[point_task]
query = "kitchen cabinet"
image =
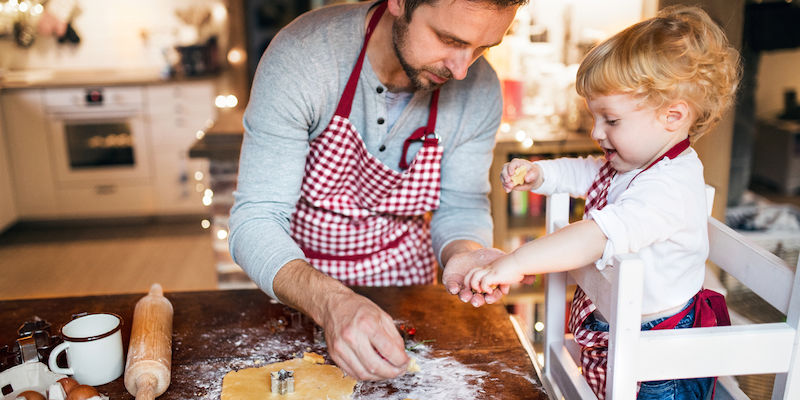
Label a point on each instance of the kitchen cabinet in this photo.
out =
(8, 210)
(62, 148)
(175, 113)
(25, 128)
(776, 155)
(114, 151)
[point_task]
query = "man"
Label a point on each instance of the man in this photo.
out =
(326, 201)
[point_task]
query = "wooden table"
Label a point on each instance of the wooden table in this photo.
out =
(475, 353)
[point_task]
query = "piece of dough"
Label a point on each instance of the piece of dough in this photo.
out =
(413, 367)
(312, 381)
(519, 175)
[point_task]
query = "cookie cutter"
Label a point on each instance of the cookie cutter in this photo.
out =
(33, 344)
(281, 382)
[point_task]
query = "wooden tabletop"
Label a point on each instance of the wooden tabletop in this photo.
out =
(466, 352)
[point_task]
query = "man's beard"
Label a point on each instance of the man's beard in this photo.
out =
(399, 36)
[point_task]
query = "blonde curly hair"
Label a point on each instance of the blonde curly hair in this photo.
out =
(680, 54)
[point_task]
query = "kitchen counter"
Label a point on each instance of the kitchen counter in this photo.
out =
(223, 140)
(473, 353)
(42, 78)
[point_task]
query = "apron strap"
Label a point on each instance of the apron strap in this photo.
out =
(425, 134)
(346, 102)
(673, 152)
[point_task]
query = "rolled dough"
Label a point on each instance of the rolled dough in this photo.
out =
(312, 380)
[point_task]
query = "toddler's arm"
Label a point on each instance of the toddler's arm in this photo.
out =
(571, 247)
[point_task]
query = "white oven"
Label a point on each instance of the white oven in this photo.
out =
(98, 136)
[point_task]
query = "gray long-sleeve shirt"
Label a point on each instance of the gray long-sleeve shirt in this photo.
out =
(295, 92)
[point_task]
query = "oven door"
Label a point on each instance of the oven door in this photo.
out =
(100, 146)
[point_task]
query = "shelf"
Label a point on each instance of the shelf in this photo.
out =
(575, 142)
(525, 221)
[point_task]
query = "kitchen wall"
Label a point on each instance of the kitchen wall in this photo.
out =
(119, 34)
(777, 71)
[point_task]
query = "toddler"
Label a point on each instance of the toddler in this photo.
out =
(652, 89)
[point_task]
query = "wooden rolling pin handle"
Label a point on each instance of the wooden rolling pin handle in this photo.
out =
(147, 369)
(146, 386)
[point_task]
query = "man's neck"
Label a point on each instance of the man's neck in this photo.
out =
(382, 57)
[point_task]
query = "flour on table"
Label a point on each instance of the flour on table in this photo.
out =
(439, 378)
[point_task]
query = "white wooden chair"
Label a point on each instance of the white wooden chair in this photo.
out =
(719, 351)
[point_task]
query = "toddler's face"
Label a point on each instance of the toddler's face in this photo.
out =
(630, 133)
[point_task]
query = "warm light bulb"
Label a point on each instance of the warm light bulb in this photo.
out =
(199, 135)
(207, 201)
(205, 224)
(505, 127)
(218, 12)
(231, 101)
(520, 135)
(198, 175)
(222, 234)
(538, 326)
(219, 101)
(235, 56)
(527, 143)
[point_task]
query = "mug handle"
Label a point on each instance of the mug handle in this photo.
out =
(51, 362)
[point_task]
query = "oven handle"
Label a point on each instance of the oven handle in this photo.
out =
(83, 114)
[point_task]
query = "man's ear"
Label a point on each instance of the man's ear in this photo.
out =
(396, 7)
(676, 116)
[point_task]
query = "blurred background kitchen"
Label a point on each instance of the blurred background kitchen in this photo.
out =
(119, 139)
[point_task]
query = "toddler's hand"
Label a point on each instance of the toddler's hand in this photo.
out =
(489, 278)
(519, 174)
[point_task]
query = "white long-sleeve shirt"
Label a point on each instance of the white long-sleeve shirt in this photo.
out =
(662, 217)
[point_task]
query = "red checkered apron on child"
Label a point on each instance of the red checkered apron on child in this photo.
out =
(358, 220)
(709, 306)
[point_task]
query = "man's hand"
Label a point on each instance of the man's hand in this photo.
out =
(459, 264)
(362, 339)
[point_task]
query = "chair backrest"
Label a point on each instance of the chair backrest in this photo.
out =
(718, 351)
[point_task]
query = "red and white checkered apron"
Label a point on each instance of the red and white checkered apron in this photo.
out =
(358, 220)
(594, 344)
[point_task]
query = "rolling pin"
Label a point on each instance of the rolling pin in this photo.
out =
(147, 369)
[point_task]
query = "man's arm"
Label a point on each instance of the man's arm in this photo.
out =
(362, 339)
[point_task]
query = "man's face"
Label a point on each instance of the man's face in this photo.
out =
(444, 38)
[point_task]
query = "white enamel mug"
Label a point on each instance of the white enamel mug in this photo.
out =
(93, 343)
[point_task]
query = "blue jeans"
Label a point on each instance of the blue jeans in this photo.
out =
(673, 389)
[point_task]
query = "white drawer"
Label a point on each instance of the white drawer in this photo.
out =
(106, 200)
(196, 98)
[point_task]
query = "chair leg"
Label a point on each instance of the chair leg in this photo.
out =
(625, 330)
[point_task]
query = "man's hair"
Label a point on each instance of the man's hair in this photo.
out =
(679, 54)
(412, 5)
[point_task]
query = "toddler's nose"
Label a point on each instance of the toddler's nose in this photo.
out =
(598, 134)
